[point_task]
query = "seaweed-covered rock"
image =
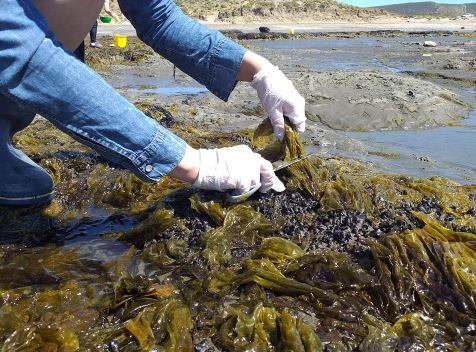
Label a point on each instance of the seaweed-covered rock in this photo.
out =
(346, 259)
(103, 59)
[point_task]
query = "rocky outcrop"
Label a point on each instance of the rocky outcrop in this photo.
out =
(278, 10)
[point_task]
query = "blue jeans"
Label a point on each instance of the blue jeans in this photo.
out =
(38, 76)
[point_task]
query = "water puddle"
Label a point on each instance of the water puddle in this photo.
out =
(446, 151)
(392, 54)
(100, 250)
(101, 222)
(161, 84)
(170, 90)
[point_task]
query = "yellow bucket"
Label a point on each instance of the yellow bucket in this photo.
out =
(120, 40)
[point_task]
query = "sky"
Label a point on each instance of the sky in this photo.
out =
(388, 2)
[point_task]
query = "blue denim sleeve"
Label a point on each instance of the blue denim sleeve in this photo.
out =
(39, 75)
(204, 54)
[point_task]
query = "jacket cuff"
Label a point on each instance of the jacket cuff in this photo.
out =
(161, 156)
(225, 63)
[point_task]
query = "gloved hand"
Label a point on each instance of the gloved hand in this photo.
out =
(279, 97)
(235, 168)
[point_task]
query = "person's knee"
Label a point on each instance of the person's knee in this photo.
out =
(13, 115)
(25, 32)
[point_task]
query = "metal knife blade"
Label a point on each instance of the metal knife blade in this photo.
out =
(283, 165)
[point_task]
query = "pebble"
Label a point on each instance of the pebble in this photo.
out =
(430, 44)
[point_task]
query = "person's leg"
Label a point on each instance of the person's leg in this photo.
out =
(80, 52)
(77, 100)
(93, 33)
(22, 181)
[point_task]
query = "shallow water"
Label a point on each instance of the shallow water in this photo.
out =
(171, 90)
(394, 54)
(447, 152)
(137, 82)
(330, 54)
(98, 223)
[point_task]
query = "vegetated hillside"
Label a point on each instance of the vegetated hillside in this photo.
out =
(430, 9)
(471, 8)
(277, 10)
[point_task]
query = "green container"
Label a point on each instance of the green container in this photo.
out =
(105, 19)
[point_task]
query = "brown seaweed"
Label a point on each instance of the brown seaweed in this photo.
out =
(241, 222)
(168, 321)
(265, 330)
(173, 269)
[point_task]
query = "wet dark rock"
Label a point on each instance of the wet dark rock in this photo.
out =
(192, 225)
(238, 139)
(232, 32)
(307, 35)
(300, 214)
(429, 205)
(206, 345)
(264, 29)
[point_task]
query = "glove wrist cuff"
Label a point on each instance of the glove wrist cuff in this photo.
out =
(263, 73)
(208, 159)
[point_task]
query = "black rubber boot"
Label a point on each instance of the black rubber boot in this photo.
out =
(22, 182)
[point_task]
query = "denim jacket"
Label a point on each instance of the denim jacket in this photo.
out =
(38, 76)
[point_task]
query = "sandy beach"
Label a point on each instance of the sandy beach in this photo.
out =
(407, 25)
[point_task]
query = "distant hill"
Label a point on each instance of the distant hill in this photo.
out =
(430, 9)
(275, 10)
(471, 8)
(259, 11)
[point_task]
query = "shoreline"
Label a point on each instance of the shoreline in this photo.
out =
(403, 25)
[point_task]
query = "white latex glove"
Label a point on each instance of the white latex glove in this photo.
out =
(279, 98)
(236, 168)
